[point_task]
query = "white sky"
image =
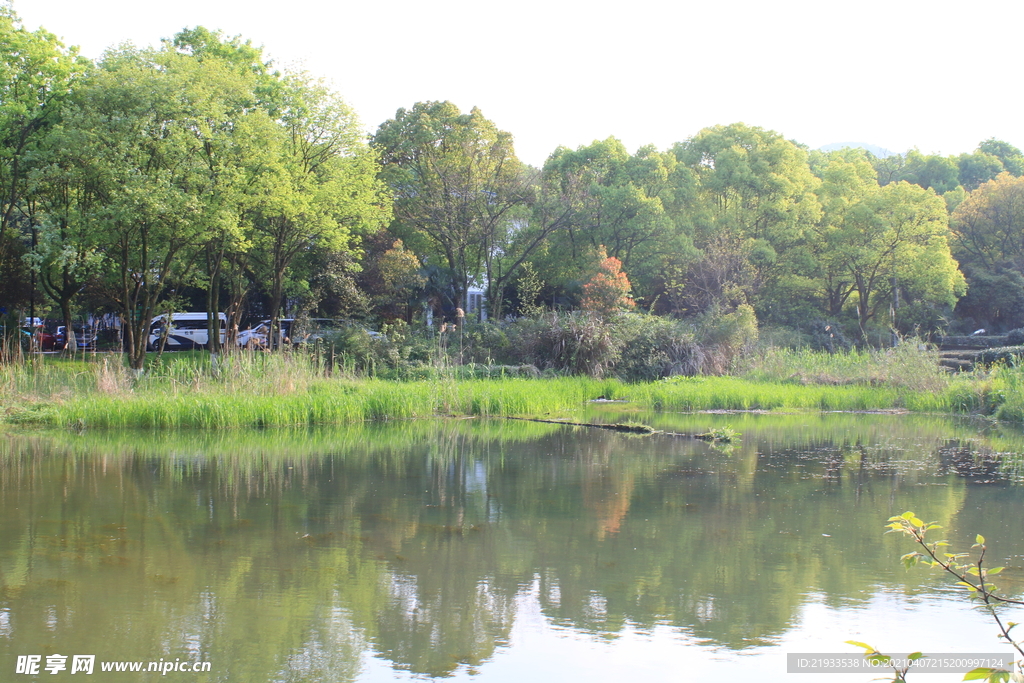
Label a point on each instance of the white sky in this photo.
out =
(936, 75)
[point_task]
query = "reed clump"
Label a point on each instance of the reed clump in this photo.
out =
(910, 365)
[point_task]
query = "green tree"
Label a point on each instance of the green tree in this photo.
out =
(899, 242)
(619, 201)
(319, 185)
(939, 173)
(64, 200)
(978, 168)
(1011, 157)
(36, 74)
(144, 124)
(751, 199)
(233, 152)
(847, 178)
(988, 231)
(457, 185)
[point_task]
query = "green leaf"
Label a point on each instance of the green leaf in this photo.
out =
(994, 570)
(907, 515)
(979, 539)
(979, 674)
(857, 643)
(914, 656)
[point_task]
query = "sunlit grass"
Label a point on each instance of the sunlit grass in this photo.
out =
(247, 390)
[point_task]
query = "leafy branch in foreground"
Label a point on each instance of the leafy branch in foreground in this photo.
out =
(972, 575)
(878, 659)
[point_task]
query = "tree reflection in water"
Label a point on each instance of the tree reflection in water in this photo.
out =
(293, 556)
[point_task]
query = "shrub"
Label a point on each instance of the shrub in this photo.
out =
(726, 337)
(575, 343)
(655, 348)
(1009, 355)
(1015, 337)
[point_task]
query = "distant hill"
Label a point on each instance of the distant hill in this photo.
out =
(880, 152)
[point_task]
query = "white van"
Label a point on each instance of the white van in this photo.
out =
(187, 331)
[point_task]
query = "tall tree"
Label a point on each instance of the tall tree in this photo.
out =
(752, 199)
(898, 241)
(63, 200)
(143, 124)
(939, 173)
(618, 201)
(1011, 157)
(988, 229)
(978, 168)
(847, 179)
(233, 153)
(457, 185)
(319, 187)
(36, 75)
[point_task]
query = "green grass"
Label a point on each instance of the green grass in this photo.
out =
(248, 390)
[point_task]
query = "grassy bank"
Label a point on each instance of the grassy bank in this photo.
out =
(271, 390)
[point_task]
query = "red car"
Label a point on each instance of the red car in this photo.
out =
(42, 340)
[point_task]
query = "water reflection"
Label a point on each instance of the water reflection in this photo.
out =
(309, 556)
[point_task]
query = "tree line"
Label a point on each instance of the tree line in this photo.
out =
(196, 173)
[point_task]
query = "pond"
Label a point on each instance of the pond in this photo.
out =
(496, 550)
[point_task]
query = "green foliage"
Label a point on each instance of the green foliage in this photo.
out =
(456, 182)
(1005, 355)
(978, 168)
(575, 343)
(37, 74)
(750, 200)
(987, 239)
(724, 434)
(1011, 157)
(907, 365)
(655, 347)
(971, 574)
(528, 288)
(619, 202)
(1015, 337)
(930, 171)
(727, 337)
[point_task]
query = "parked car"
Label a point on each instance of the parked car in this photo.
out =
(39, 338)
(186, 331)
(295, 332)
(84, 337)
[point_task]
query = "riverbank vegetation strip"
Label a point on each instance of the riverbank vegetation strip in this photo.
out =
(278, 391)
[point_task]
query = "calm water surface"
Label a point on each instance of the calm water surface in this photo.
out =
(497, 550)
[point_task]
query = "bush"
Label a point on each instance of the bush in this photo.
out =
(655, 348)
(726, 337)
(1015, 337)
(355, 350)
(575, 343)
(1008, 355)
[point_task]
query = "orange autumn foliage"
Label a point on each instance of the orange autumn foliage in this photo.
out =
(608, 289)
